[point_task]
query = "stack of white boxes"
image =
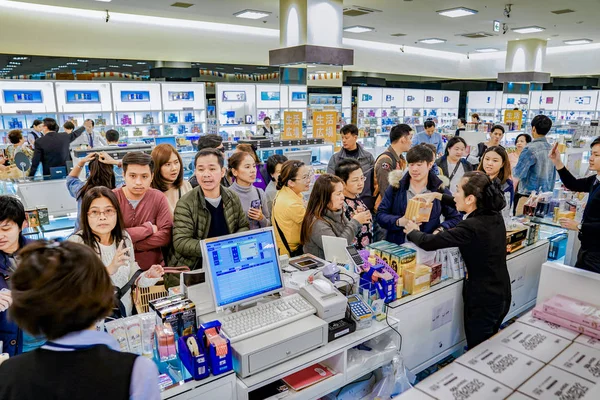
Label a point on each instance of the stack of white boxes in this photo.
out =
(530, 359)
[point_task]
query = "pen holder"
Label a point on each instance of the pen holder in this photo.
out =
(217, 347)
(196, 365)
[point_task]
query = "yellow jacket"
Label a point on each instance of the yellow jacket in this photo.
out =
(288, 212)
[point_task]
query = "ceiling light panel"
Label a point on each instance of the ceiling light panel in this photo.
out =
(487, 50)
(358, 29)
(432, 41)
(252, 14)
(457, 12)
(529, 29)
(578, 41)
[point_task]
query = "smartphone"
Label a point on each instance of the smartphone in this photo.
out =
(255, 204)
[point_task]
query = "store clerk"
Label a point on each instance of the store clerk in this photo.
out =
(77, 362)
(589, 228)
(481, 238)
(267, 129)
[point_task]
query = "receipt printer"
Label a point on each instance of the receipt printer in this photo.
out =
(329, 302)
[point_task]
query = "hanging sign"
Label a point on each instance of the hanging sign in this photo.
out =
(324, 125)
(292, 125)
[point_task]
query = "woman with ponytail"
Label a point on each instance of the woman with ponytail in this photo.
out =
(481, 238)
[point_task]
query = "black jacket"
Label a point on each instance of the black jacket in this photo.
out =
(52, 150)
(590, 225)
(442, 163)
(481, 239)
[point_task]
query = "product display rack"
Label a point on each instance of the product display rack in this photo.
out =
(486, 104)
(441, 106)
(236, 110)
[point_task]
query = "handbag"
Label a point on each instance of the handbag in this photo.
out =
(136, 291)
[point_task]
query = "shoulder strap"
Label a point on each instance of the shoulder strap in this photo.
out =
(455, 169)
(281, 235)
(121, 291)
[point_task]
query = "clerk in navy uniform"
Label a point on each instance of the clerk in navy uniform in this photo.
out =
(589, 228)
(61, 291)
(481, 238)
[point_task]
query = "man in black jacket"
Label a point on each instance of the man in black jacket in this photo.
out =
(588, 257)
(52, 150)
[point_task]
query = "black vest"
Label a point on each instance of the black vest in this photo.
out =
(97, 373)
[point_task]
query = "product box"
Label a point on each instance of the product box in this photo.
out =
(414, 394)
(574, 310)
(518, 396)
(436, 273)
(588, 341)
(43, 215)
(531, 341)
(580, 360)
(558, 330)
(565, 323)
(501, 363)
(407, 257)
(458, 382)
(552, 383)
(417, 279)
(418, 210)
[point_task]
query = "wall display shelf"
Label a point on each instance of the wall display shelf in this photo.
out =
(347, 105)
(184, 109)
(22, 102)
(79, 101)
(487, 104)
(578, 105)
(236, 110)
(268, 104)
(138, 109)
(442, 107)
(414, 102)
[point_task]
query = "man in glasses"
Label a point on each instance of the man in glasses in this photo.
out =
(210, 141)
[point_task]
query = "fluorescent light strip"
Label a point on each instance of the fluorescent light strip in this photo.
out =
(358, 29)
(487, 50)
(457, 12)
(529, 29)
(578, 41)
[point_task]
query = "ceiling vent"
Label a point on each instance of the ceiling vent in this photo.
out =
(181, 5)
(398, 34)
(565, 11)
(476, 35)
(357, 11)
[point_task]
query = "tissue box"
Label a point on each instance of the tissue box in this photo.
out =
(418, 210)
(574, 310)
(417, 279)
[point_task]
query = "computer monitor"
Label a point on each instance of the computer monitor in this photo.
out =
(242, 267)
(168, 140)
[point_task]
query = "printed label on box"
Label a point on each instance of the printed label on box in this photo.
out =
(501, 363)
(580, 360)
(588, 341)
(458, 382)
(531, 341)
(529, 319)
(552, 383)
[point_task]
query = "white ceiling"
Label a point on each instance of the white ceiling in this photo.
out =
(417, 19)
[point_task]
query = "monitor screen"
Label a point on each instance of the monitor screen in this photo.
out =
(243, 266)
(168, 140)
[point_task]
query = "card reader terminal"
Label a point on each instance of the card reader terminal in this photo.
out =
(360, 311)
(354, 256)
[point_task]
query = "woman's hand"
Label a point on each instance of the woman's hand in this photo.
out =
(155, 272)
(410, 226)
(105, 158)
(554, 156)
(120, 258)
(569, 224)
(5, 299)
(363, 217)
(428, 197)
(255, 214)
(86, 160)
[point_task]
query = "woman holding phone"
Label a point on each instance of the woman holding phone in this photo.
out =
(103, 230)
(242, 167)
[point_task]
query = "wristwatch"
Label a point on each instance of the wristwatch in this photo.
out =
(579, 227)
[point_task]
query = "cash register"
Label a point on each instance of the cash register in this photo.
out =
(244, 275)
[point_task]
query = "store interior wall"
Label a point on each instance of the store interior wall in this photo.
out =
(71, 35)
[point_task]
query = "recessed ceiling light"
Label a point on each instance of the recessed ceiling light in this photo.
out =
(114, 66)
(104, 1)
(62, 66)
(82, 60)
(102, 68)
(457, 12)
(432, 41)
(529, 29)
(262, 67)
(487, 50)
(71, 63)
(358, 29)
(19, 58)
(252, 14)
(127, 65)
(14, 63)
(238, 68)
(578, 41)
(219, 68)
(141, 63)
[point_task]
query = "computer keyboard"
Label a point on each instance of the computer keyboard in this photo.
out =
(265, 317)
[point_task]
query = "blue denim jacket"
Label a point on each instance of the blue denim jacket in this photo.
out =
(534, 169)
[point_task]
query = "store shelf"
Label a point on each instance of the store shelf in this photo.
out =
(381, 359)
(186, 386)
(318, 390)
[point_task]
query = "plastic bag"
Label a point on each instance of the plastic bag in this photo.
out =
(403, 378)
(396, 380)
(423, 257)
(383, 389)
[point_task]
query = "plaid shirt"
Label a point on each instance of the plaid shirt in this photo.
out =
(534, 169)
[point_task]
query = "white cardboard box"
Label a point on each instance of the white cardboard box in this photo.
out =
(414, 394)
(580, 360)
(558, 330)
(588, 341)
(457, 382)
(532, 341)
(552, 383)
(503, 364)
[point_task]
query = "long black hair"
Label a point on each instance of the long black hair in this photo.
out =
(488, 192)
(100, 175)
(90, 238)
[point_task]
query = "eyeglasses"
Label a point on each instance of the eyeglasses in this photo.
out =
(108, 213)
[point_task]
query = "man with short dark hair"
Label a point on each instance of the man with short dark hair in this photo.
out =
(52, 150)
(146, 211)
(535, 170)
(352, 149)
(210, 141)
(112, 137)
(430, 136)
(419, 179)
(209, 210)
